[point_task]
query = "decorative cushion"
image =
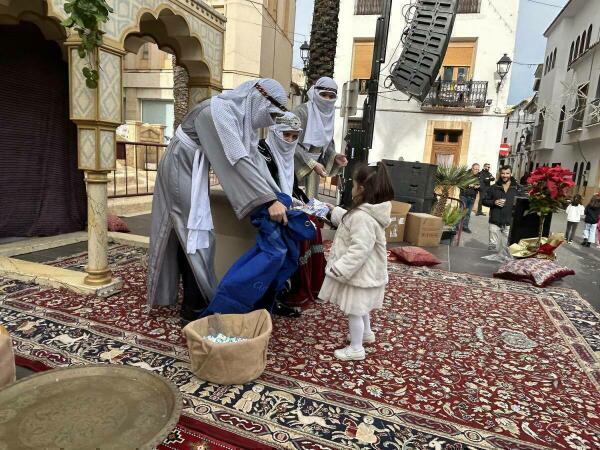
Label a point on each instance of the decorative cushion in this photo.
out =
(540, 272)
(115, 223)
(415, 256)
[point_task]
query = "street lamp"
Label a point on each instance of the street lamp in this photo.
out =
(503, 67)
(305, 55)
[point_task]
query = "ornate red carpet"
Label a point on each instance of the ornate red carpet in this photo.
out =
(460, 362)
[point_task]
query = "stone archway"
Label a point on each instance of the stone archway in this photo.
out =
(191, 29)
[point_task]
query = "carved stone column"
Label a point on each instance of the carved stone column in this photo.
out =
(97, 267)
(97, 113)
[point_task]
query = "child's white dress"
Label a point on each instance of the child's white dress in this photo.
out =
(356, 273)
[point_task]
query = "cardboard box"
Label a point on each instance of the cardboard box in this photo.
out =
(395, 232)
(423, 230)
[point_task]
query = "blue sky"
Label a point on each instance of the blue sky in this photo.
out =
(534, 18)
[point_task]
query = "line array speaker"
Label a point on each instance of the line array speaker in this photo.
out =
(425, 47)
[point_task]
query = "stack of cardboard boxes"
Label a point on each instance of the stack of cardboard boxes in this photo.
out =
(422, 230)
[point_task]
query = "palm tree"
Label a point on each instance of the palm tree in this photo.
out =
(323, 39)
(181, 92)
(448, 178)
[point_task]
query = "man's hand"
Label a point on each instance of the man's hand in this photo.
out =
(341, 160)
(277, 212)
(500, 202)
(320, 170)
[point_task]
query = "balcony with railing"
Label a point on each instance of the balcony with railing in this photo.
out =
(368, 7)
(594, 114)
(469, 6)
(462, 95)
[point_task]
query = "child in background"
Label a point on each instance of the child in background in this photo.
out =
(575, 211)
(592, 215)
(356, 273)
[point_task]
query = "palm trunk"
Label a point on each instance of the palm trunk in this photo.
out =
(440, 206)
(323, 39)
(180, 93)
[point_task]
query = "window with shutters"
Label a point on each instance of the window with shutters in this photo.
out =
(458, 62)
(362, 59)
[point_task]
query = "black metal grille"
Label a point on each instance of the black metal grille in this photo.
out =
(367, 7)
(457, 94)
(469, 6)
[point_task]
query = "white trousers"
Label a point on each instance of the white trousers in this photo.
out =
(498, 237)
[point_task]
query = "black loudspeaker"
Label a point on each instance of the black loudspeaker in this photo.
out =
(411, 179)
(526, 226)
(425, 47)
(418, 205)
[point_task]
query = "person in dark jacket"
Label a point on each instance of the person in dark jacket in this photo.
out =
(468, 196)
(485, 180)
(592, 215)
(500, 198)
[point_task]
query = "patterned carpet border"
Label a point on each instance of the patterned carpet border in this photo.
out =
(292, 411)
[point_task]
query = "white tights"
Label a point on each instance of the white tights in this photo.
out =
(359, 326)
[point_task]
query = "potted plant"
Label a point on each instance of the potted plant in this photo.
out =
(451, 217)
(548, 192)
(449, 178)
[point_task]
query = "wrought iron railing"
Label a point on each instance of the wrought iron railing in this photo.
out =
(137, 165)
(594, 114)
(367, 7)
(363, 87)
(457, 94)
(329, 188)
(578, 115)
(538, 131)
(469, 6)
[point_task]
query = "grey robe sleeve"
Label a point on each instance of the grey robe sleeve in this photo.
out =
(303, 163)
(244, 183)
(332, 167)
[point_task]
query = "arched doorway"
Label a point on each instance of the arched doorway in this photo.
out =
(42, 193)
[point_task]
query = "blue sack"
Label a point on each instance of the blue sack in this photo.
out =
(265, 267)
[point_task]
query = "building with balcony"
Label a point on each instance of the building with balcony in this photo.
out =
(259, 40)
(461, 120)
(567, 130)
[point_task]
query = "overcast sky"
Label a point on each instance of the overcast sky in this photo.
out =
(534, 18)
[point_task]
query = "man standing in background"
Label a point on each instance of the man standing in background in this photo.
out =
(468, 196)
(485, 180)
(500, 198)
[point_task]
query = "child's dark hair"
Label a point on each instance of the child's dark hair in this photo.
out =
(376, 184)
(577, 199)
(595, 201)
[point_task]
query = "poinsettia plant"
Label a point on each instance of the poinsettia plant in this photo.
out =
(549, 190)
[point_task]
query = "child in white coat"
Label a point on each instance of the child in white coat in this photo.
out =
(356, 273)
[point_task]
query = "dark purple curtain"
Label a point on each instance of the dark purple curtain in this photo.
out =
(42, 193)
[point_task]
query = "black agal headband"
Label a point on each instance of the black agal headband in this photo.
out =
(265, 94)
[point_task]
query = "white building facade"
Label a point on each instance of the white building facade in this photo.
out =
(461, 122)
(568, 122)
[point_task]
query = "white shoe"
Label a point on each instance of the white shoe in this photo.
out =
(349, 354)
(367, 338)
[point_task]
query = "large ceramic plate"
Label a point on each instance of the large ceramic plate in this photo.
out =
(88, 407)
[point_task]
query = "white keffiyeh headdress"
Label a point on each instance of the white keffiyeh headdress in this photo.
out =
(239, 113)
(321, 114)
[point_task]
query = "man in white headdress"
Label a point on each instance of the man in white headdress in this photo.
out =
(220, 132)
(316, 157)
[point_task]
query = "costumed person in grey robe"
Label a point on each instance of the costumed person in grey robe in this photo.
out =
(220, 132)
(316, 157)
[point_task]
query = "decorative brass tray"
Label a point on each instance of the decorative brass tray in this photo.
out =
(88, 407)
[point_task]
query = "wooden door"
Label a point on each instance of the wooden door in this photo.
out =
(446, 147)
